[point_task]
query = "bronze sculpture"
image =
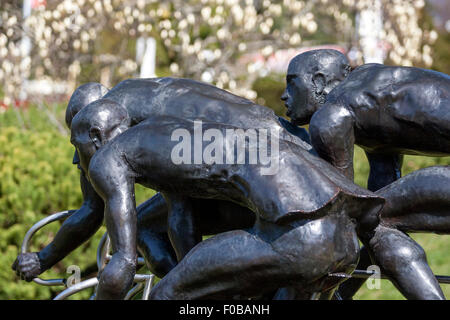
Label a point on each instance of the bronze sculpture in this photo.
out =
(88, 218)
(320, 218)
(158, 100)
(399, 257)
(143, 97)
(388, 111)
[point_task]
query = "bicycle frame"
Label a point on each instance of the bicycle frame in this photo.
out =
(143, 282)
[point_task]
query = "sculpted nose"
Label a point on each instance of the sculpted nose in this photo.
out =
(284, 96)
(76, 158)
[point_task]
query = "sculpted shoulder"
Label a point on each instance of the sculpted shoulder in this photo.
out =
(360, 81)
(107, 168)
(206, 89)
(380, 84)
(330, 116)
(130, 84)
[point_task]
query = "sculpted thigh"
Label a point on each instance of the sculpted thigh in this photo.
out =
(320, 246)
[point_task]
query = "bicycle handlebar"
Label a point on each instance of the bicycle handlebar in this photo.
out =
(27, 240)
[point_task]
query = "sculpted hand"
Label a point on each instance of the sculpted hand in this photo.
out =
(27, 266)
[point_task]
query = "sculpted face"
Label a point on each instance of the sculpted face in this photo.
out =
(85, 148)
(76, 159)
(299, 98)
(81, 97)
(94, 126)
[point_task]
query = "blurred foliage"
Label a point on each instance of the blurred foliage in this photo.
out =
(441, 48)
(37, 178)
(269, 90)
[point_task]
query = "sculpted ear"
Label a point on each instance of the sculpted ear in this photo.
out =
(319, 83)
(96, 136)
(322, 87)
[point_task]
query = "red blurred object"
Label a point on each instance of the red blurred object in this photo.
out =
(19, 104)
(37, 3)
(3, 106)
(22, 104)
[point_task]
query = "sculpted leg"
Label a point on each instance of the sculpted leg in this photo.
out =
(183, 232)
(117, 277)
(384, 169)
(226, 265)
(405, 263)
(152, 240)
(349, 288)
(212, 217)
(417, 202)
(246, 264)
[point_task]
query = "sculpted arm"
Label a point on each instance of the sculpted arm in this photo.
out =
(332, 136)
(77, 229)
(384, 169)
(114, 182)
(182, 229)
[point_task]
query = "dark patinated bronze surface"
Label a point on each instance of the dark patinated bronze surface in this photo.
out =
(388, 111)
(305, 197)
(142, 98)
(280, 230)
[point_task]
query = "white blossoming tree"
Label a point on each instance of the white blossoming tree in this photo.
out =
(93, 40)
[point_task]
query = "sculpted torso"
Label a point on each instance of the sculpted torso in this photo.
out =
(190, 99)
(397, 109)
(303, 185)
(176, 97)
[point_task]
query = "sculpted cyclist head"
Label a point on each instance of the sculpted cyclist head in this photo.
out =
(310, 77)
(81, 97)
(99, 122)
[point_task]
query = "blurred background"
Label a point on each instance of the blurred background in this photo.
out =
(48, 48)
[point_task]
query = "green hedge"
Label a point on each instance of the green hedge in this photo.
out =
(269, 90)
(37, 178)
